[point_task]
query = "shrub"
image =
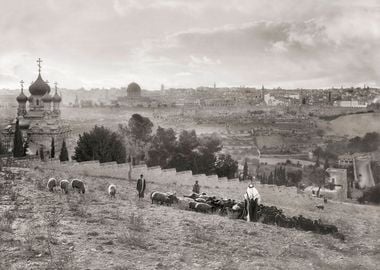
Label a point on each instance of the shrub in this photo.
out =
(371, 195)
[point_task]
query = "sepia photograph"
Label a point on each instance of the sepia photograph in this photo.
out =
(189, 134)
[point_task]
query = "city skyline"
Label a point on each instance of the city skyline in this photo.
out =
(288, 44)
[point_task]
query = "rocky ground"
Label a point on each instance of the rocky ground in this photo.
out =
(43, 230)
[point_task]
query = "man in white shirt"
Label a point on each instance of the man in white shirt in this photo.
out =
(252, 200)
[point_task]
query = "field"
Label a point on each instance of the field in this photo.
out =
(352, 125)
(43, 230)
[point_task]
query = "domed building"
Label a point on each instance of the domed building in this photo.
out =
(40, 121)
(134, 98)
(133, 90)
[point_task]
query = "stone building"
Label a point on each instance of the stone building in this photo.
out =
(135, 99)
(39, 118)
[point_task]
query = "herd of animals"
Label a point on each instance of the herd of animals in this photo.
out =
(210, 204)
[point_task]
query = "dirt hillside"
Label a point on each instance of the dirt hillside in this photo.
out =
(43, 230)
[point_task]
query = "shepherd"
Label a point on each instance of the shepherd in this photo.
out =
(196, 187)
(252, 200)
(141, 186)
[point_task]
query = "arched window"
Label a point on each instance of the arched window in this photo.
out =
(37, 102)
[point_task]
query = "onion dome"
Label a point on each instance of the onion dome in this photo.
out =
(47, 98)
(24, 124)
(56, 97)
(39, 87)
(22, 98)
(133, 90)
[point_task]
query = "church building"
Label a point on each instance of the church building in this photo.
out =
(39, 117)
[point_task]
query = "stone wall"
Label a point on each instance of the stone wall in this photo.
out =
(151, 174)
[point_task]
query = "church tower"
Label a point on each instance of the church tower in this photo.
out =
(47, 99)
(21, 99)
(56, 101)
(37, 90)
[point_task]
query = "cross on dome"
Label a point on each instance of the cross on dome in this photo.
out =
(39, 61)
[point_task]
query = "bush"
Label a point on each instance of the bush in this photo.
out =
(371, 195)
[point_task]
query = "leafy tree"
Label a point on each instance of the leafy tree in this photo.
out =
(64, 155)
(137, 135)
(184, 156)
(204, 156)
(162, 148)
(294, 177)
(100, 144)
(225, 166)
(370, 142)
(318, 176)
(52, 148)
(18, 146)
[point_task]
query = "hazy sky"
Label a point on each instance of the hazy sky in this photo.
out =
(188, 43)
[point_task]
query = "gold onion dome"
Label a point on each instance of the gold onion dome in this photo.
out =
(39, 87)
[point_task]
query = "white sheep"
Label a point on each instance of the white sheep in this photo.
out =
(64, 184)
(51, 184)
(112, 190)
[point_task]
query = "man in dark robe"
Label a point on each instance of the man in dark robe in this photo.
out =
(196, 188)
(141, 186)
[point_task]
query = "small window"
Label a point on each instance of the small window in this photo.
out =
(37, 102)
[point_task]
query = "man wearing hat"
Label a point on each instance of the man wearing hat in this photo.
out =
(252, 200)
(141, 186)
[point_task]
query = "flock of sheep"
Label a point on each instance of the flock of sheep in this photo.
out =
(207, 204)
(75, 184)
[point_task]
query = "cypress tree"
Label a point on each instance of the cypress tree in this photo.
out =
(245, 170)
(326, 165)
(18, 147)
(64, 155)
(52, 150)
(42, 155)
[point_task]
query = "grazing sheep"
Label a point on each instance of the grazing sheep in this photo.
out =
(203, 207)
(163, 198)
(78, 184)
(112, 190)
(51, 184)
(64, 184)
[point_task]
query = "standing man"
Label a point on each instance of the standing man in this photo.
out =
(196, 187)
(141, 186)
(252, 200)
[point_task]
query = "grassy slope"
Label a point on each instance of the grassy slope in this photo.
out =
(99, 233)
(352, 125)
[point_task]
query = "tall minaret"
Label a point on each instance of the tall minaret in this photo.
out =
(21, 99)
(56, 100)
